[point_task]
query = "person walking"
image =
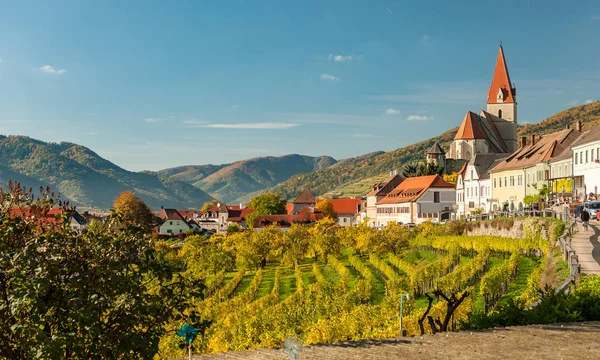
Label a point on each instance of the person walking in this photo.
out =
(585, 219)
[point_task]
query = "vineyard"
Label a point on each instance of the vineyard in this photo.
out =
(350, 295)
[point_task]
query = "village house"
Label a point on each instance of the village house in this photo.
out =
(284, 221)
(378, 192)
(416, 200)
(348, 210)
(473, 185)
(304, 200)
(218, 218)
(52, 217)
(586, 163)
(172, 223)
(526, 171)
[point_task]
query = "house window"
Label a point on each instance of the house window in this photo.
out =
(586, 156)
(471, 204)
(581, 157)
(597, 153)
(170, 223)
(472, 175)
(575, 158)
(533, 178)
(436, 196)
(559, 171)
(500, 113)
(566, 170)
(345, 220)
(512, 180)
(553, 171)
(494, 183)
(505, 182)
(168, 231)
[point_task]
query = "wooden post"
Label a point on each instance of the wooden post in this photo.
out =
(190, 351)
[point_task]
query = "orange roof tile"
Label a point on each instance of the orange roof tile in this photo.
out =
(413, 188)
(344, 206)
(501, 81)
(470, 128)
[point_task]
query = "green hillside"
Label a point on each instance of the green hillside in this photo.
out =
(86, 179)
(231, 181)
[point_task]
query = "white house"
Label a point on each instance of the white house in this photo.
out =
(377, 193)
(586, 162)
(417, 200)
(173, 223)
(474, 186)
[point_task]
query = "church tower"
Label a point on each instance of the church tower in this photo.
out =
(502, 102)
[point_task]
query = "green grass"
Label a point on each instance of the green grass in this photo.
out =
(562, 267)
(378, 292)
(330, 274)
(245, 283)
(287, 287)
(516, 288)
(268, 280)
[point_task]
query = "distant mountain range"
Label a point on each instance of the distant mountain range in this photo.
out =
(232, 182)
(86, 179)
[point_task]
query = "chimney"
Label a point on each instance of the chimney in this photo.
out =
(568, 126)
(578, 125)
(532, 139)
(523, 141)
(162, 207)
(242, 207)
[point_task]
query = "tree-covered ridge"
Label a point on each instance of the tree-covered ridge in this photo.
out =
(229, 182)
(85, 178)
(333, 177)
(344, 176)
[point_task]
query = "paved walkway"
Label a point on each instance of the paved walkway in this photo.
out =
(568, 341)
(587, 247)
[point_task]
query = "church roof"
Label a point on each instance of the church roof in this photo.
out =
(435, 149)
(484, 162)
(482, 127)
(305, 198)
(501, 82)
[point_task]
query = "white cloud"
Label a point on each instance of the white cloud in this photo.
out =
(91, 133)
(419, 118)
(253, 126)
(574, 102)
(236, 106)
(391, 111)
(52, 70)
(339, 58)
(329, 77)
(152, 120)
(589, 101)
(1, 60)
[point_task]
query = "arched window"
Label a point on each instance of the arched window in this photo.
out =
(500, 113)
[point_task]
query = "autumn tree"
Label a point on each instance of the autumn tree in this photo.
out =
(133, 211)
(451, 178)
(365, 239)
(265, 204)
(204, 257)
(209, 205)
(296, 242)
(394, 237)
(325, 240)
(255, 248)
(96, 295)
(326, 207)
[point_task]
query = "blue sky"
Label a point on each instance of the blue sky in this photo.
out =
(156, 84)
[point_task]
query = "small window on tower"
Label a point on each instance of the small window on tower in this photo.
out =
(500, 113)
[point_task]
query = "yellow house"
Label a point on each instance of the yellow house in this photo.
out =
(527, 170)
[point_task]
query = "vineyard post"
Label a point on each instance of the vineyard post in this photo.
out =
(401, 303)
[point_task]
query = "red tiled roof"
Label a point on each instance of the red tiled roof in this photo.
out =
(188, 214)
(481, 127)
(344, 206)
(235, 214)
(413, 188)
(501, 81)
(285, 220)
(305, 198)
(49, 218)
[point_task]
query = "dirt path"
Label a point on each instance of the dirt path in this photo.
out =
(587, 248)
(568, 341)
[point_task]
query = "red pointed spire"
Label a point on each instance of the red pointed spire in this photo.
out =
(501, 83)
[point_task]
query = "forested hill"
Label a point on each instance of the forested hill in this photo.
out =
(86, 179)
(229, 182)
(333, 178)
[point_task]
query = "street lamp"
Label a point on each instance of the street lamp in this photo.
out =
(401, 299)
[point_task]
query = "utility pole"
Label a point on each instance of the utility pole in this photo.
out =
(401, 305)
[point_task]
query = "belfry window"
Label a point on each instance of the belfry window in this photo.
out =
(500, 113)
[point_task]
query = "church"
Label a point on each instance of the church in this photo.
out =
(492, 131)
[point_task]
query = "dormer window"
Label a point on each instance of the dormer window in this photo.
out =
(500, 95)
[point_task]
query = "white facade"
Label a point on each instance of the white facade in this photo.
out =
(586, 164)
(173, 227)
(472, 193)
(433, 204)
